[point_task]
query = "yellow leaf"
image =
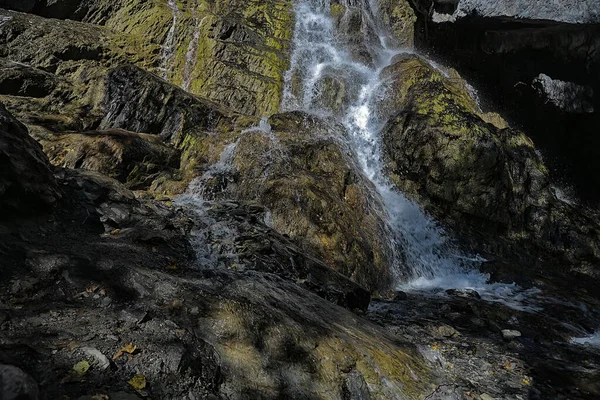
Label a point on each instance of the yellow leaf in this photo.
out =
(138, 382)
(526, 381)
(81, 367)
(128, 348)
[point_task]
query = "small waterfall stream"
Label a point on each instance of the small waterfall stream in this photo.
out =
(192, 53)
(321, 54)
(169, 44)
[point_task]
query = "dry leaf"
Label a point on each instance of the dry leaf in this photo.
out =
(138, 382)
(91, 288)
(128, 348)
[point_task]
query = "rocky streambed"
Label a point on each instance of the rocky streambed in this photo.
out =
(278, 199)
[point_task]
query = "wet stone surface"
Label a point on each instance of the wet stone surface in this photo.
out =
(476, 343)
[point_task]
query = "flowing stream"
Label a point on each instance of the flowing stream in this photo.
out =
(325, 54)
(168, 50)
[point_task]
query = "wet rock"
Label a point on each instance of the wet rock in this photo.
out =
(510, 334)
(355, 387)
(464, 293)
(400, 18)
(480, 178)
(140, 102)
(502, 54)
(15, 384)
(400, 296)
(232, 235)
(303, 172)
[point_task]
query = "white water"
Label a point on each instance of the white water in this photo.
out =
(432, 262)
(169, 44)
(593, 340)
(192, 54)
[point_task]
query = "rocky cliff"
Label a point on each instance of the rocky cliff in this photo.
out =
(169, 230)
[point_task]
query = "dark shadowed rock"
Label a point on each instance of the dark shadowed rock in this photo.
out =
(135, 159)
(20, 80)
(26, 181)
(15, 384)
(137, 101)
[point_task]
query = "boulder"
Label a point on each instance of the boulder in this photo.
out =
(16, 384)
(26, 181)
(506, 49)
(21, 80)
(485, 182)
(135, 159)
(301, 169)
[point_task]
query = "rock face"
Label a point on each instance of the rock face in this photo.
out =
(26, 181)
(568, 96)
(504, 48)
(135, 159)
(489, 182)
(233, 53)
(233, 329)
(571, 11)
(301, 169)
(180, 246)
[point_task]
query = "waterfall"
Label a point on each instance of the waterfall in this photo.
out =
(322, 55)
(169, 44)
(192, 53)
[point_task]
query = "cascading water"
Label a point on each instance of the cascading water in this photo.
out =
(191, 54)
(169, 44)
(323, 54)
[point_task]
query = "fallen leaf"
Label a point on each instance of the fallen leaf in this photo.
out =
(138, 382)
(81, 367)
(91, 288)
(128, 348)
(526, 381)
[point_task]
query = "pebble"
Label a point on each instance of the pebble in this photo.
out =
(510, 334)
(464, 293)
(99, 360)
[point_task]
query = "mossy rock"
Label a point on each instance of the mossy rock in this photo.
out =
(134, 159)
(303, 172)
(484, 181)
